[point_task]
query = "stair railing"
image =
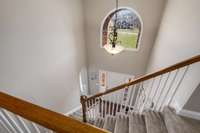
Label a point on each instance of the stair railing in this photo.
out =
(152, 92)
(16, 113)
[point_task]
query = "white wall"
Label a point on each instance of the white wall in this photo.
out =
(127, 62)
(193, 103)
(178, 39)
(42, 51)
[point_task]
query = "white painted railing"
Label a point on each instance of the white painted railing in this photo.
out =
(150, 92)
(11, 123)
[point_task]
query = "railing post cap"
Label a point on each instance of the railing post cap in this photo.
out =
(83, 98)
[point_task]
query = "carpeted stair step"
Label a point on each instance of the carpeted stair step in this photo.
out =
(154, 122)
(136, 123)
(109, 123)
(177, 124)
(122, 124)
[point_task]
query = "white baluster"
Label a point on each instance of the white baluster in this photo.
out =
(94, 107)
(132, 97)
(162, 90)
(122, 100)
(138, 97)
(170, 86)
(88, 110)
(118, 101)
(109, 103)
(148, 94)
(23, 123)
(156, 91)
(128, 99)
(114, 103)
(12, 121)
(36, 127)
(105, 106)
(5, 126)
(177, 87)
(102, 107)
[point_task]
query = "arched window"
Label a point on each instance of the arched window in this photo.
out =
(129, 25)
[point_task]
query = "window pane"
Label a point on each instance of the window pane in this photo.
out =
(129, 28)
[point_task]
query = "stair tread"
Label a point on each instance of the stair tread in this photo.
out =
(122, 124)
(136, 123)
(109, 123)
(154, 122)
(177, 124)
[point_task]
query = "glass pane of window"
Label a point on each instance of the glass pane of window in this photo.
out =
(129, 28)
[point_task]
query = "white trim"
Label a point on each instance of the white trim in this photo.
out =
(190, 114)
(7, 123)
(21, 120)
(142, 27)
(12, 121)
(36, 127)
(176, 106)
(73, 110)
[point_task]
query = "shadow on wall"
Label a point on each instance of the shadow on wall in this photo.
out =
(193, 103)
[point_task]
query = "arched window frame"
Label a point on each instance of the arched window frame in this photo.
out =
(141, 32)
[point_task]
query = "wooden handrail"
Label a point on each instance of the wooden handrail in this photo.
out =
(149, 76)
(49, 119)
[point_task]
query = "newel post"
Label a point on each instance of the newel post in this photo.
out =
(83, 102)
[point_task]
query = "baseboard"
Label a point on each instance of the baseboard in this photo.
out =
(73, 110)
(190, 114)
(176, 106)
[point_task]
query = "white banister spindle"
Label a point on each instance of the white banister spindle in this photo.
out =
(149, 93)
(88, 110)
(109, 104)
(21, 120)
(178, 85)
(168, 90)
(141, 99)
(128, 97)
(118, 101)
(12, 121)
(94, 108)
(105, 106)
(156, 90)
(8, 124)
(131, 99)
(122, 100)
(132, 95)
(93, 111)
(162, 90)
(102, 106)
(114, 103)
(138, 97)
(36, 127)
(5, 126)
(98, 107)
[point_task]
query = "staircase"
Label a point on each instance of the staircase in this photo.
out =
(149, 122)
(142, 105)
